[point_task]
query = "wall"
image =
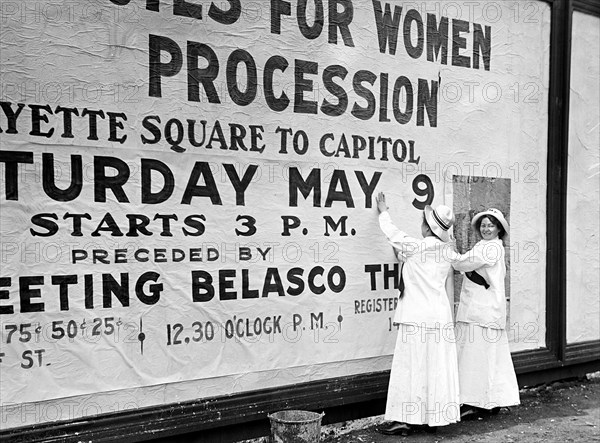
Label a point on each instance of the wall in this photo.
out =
(142, 266)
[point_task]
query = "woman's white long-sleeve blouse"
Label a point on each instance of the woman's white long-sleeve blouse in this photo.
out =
(485, 307)
(426, 266)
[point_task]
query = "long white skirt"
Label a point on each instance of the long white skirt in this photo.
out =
(486, 372)
(423, 385)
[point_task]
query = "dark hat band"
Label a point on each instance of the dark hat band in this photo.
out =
(439, 221)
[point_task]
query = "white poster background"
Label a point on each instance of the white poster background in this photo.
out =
(583, 245)
(95, 56)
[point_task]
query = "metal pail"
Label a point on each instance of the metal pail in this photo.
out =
(295, 426)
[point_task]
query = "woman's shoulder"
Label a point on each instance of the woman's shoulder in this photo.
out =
(483, 243)
(490, 251)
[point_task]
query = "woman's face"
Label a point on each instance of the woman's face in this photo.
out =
(488, 229)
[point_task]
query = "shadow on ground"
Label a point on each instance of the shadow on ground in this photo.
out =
(567, 411)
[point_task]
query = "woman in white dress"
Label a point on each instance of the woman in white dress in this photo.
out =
(423, 388)
(486, 372)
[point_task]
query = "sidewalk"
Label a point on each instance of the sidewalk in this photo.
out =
(559, 412)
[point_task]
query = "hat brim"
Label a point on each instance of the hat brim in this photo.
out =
(499, 217)
(437, 230)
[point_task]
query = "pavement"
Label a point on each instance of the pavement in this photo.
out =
(566, 411)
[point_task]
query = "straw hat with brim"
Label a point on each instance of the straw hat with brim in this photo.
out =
(494, 212)
(440, 220)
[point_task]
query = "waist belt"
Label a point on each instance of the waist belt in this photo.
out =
(401, 283)
(401, 286)
(477, 279)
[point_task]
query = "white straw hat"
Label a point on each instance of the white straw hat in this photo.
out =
(496, 214)
(440, 220)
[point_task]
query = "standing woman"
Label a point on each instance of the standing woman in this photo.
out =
(423, 388)
(486, 373)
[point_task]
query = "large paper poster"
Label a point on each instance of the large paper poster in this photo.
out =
(583, 246)
(188, 188)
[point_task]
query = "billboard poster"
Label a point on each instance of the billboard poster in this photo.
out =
(188, 187)
(583, 246)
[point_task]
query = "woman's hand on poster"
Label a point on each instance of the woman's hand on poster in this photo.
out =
(381, 205)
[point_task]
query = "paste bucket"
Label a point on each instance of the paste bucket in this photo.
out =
(295, 426)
